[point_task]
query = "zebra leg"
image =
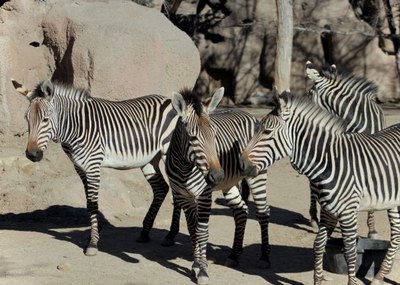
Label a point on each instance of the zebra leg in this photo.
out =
(394, 219)
(372, 233)
(160, 189)
(240, 213)
(348, 226)
(326, 227)
(313, 206)
(245, 191)
(190, 210)
(203, 214)
(169, 239)
(91, 182)
(259, 191)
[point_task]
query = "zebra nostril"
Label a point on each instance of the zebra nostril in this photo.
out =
(215, 176)
(34, 154)
(242, 164)
(247, 168)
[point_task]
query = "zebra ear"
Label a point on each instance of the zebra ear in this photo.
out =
(283, 98)
(215, 99)
(179, 103)
(312, 73)
(333, 69)
(47, 89)
(277, 98)
(22, 89)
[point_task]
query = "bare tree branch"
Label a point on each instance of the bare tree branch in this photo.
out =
(371, 34)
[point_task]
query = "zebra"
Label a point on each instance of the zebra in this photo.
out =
(206, 139)
(96, 133)
(351, 171)
(354, 100)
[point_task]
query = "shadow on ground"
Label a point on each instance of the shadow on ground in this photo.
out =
(279, 216)
(120, 242)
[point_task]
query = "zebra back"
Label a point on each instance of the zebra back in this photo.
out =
(127, 132)
(142, 125)
(347, 96)
(344, 162)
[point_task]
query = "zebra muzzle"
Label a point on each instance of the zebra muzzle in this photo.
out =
(215, 176)
(34, 154)
(247, 168)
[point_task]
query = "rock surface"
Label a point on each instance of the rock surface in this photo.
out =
(115, 49)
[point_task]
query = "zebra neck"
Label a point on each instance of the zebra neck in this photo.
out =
(179, 146)
(312, 154)
(71, 117)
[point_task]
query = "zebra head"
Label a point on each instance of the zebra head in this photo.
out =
(198, 133)
(269, 143)
(39, 116)
(328, 73)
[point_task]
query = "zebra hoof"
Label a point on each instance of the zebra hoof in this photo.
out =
(202, 278)
(168, 242)
(196, 269)
(231, 263)
(264, 263)
(314, 224)
(373, 235)
(91, 251)
(143, 238)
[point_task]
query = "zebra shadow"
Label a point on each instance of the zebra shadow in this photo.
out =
(120, 242)
(279, 216)
(116, 241)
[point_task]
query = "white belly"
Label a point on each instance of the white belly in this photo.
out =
(366, 204)
(117, 161)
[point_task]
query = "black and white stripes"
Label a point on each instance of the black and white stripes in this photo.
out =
(350, 171)
(353, 99)
(98, 133)
(228, 133)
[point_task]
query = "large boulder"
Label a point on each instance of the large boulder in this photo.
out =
(115, 49)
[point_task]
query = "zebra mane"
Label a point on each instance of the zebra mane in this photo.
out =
(63, 90)
(368, 87)
(314, 114)
(193, 99)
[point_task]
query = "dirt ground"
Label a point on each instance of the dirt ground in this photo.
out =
(44, 226)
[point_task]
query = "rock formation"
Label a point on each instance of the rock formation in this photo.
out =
(116, 49)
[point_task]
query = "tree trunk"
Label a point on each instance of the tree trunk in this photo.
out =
(284, 44)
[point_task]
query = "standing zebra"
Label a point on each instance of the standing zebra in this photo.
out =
(97, 133)
(205, 140)
(354, 100)
(350, 171)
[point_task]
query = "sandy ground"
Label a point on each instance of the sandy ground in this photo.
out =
(44, 226)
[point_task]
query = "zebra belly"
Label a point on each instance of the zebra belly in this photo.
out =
(368, 204)
(120, 161)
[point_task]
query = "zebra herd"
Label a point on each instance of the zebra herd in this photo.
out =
(334, 135)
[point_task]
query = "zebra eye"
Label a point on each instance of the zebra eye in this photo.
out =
(45, 119)
(267, 131)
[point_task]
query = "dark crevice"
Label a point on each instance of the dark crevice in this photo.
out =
(3, 1)
(34, 44)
